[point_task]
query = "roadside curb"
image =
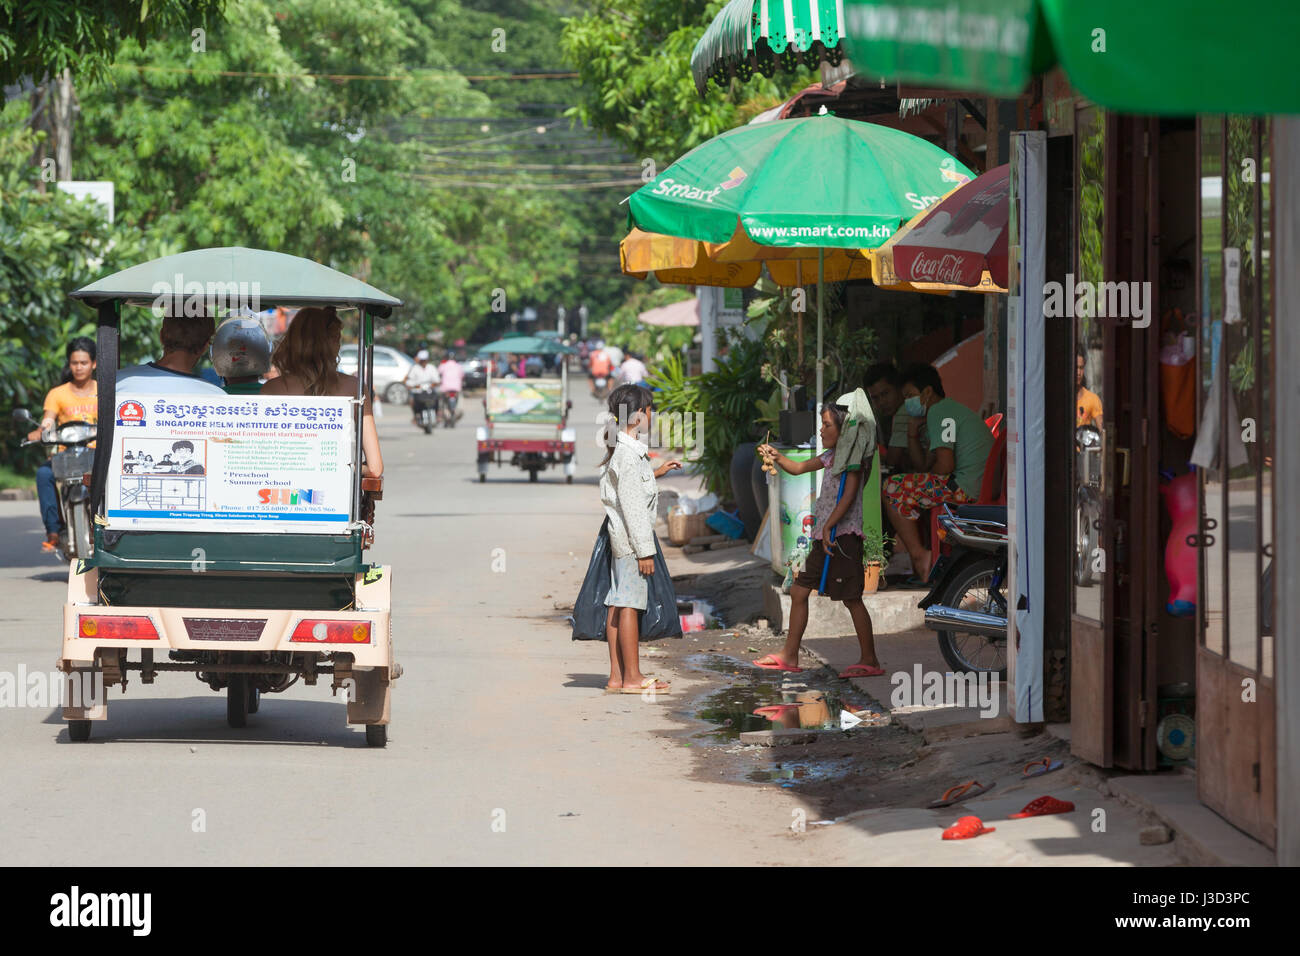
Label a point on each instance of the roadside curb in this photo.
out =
(18, 494)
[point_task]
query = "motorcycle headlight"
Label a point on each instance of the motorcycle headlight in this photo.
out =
(68, 434)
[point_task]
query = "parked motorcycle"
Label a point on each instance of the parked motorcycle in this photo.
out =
(1087, 503)
(967, 603)
(72, 459)
(425, 404)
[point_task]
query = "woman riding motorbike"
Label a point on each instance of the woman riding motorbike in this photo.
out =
(77, 399)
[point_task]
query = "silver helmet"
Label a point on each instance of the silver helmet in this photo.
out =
(241, 348)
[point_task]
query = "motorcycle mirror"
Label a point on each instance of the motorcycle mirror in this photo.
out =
(22, 416)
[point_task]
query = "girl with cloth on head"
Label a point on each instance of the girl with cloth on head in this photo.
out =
(849, 437)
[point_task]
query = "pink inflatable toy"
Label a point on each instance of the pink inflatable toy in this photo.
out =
(1180, 557)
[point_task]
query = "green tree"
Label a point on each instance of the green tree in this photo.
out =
(634, 59)
(48, 36)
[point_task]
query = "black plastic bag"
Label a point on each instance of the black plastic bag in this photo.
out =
(589, 611)
(659, 619)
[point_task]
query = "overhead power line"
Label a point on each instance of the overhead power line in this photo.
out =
(346, 77)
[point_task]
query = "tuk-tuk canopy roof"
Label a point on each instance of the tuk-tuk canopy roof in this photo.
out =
(526, 345)
(275, 278)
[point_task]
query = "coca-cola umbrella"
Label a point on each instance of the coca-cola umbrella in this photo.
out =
(962, 237)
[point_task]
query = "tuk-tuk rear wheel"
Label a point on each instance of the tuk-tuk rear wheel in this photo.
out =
(376, 735)
(237, 700)
(79, 731)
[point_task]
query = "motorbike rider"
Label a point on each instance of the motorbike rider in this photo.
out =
(452, 381)
(421, 379)
(599, 367)
(77, 399)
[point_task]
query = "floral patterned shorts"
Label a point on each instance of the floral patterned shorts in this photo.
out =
(914, 492)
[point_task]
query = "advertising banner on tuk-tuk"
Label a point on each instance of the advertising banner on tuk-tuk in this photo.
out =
(526, 400)
(235, 463)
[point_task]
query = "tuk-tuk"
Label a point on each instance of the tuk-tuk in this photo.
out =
(527, 418)
(245, 568)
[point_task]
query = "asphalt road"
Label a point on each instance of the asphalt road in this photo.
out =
(502, 748)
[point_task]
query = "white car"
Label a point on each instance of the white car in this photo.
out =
(391, 369)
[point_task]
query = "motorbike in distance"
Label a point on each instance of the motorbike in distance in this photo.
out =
(449, 409)
(967, 604)
(72, 459)
(424, 402)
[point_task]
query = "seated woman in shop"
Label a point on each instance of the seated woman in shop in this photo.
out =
(951, 470)
(307, 358)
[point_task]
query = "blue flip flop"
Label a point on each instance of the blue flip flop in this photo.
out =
(1040, 767)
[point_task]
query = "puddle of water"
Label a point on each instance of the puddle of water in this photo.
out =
(731, 709)
(697, 614)
(792, 775)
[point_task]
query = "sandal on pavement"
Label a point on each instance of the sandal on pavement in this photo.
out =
(1039, 767)
(963, 791)
(1041, 807)
(965, 828)
(862, 670)
(648, 684)
(770, 662)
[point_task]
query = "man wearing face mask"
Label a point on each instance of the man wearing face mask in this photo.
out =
(884, 386)
(952, 470)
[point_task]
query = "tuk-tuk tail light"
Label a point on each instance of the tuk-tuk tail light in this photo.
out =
(117, 627)
(317, 631)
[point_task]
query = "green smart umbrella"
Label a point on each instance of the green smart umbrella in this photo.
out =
(816, 182)
(1153, 56)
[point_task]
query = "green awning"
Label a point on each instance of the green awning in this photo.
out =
(233, 272)
(526, 345)
(1174, 57)
(763, 36)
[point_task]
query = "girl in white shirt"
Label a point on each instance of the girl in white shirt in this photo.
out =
(630, 497)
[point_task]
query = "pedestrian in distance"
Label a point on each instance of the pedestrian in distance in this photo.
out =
(849, 437)
(630, 497)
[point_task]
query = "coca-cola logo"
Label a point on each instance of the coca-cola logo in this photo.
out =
(929, 268)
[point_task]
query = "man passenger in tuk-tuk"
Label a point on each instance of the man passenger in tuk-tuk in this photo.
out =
(184, 340)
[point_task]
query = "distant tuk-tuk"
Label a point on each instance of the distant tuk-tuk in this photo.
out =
(527, 418)
(246, 568)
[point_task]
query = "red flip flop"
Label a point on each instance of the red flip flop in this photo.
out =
(862, 670)
(1042, 807)
(965, 828)
(770, 662)
(963, 791)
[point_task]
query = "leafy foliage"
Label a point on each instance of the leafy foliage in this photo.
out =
(634, 59)
(47, 36)
(50, 243)
(726, 396)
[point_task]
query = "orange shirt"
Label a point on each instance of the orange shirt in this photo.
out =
(1088, 408)
(600, 363)
(63, 405)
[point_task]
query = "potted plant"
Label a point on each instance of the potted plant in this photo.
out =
(873, 558)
